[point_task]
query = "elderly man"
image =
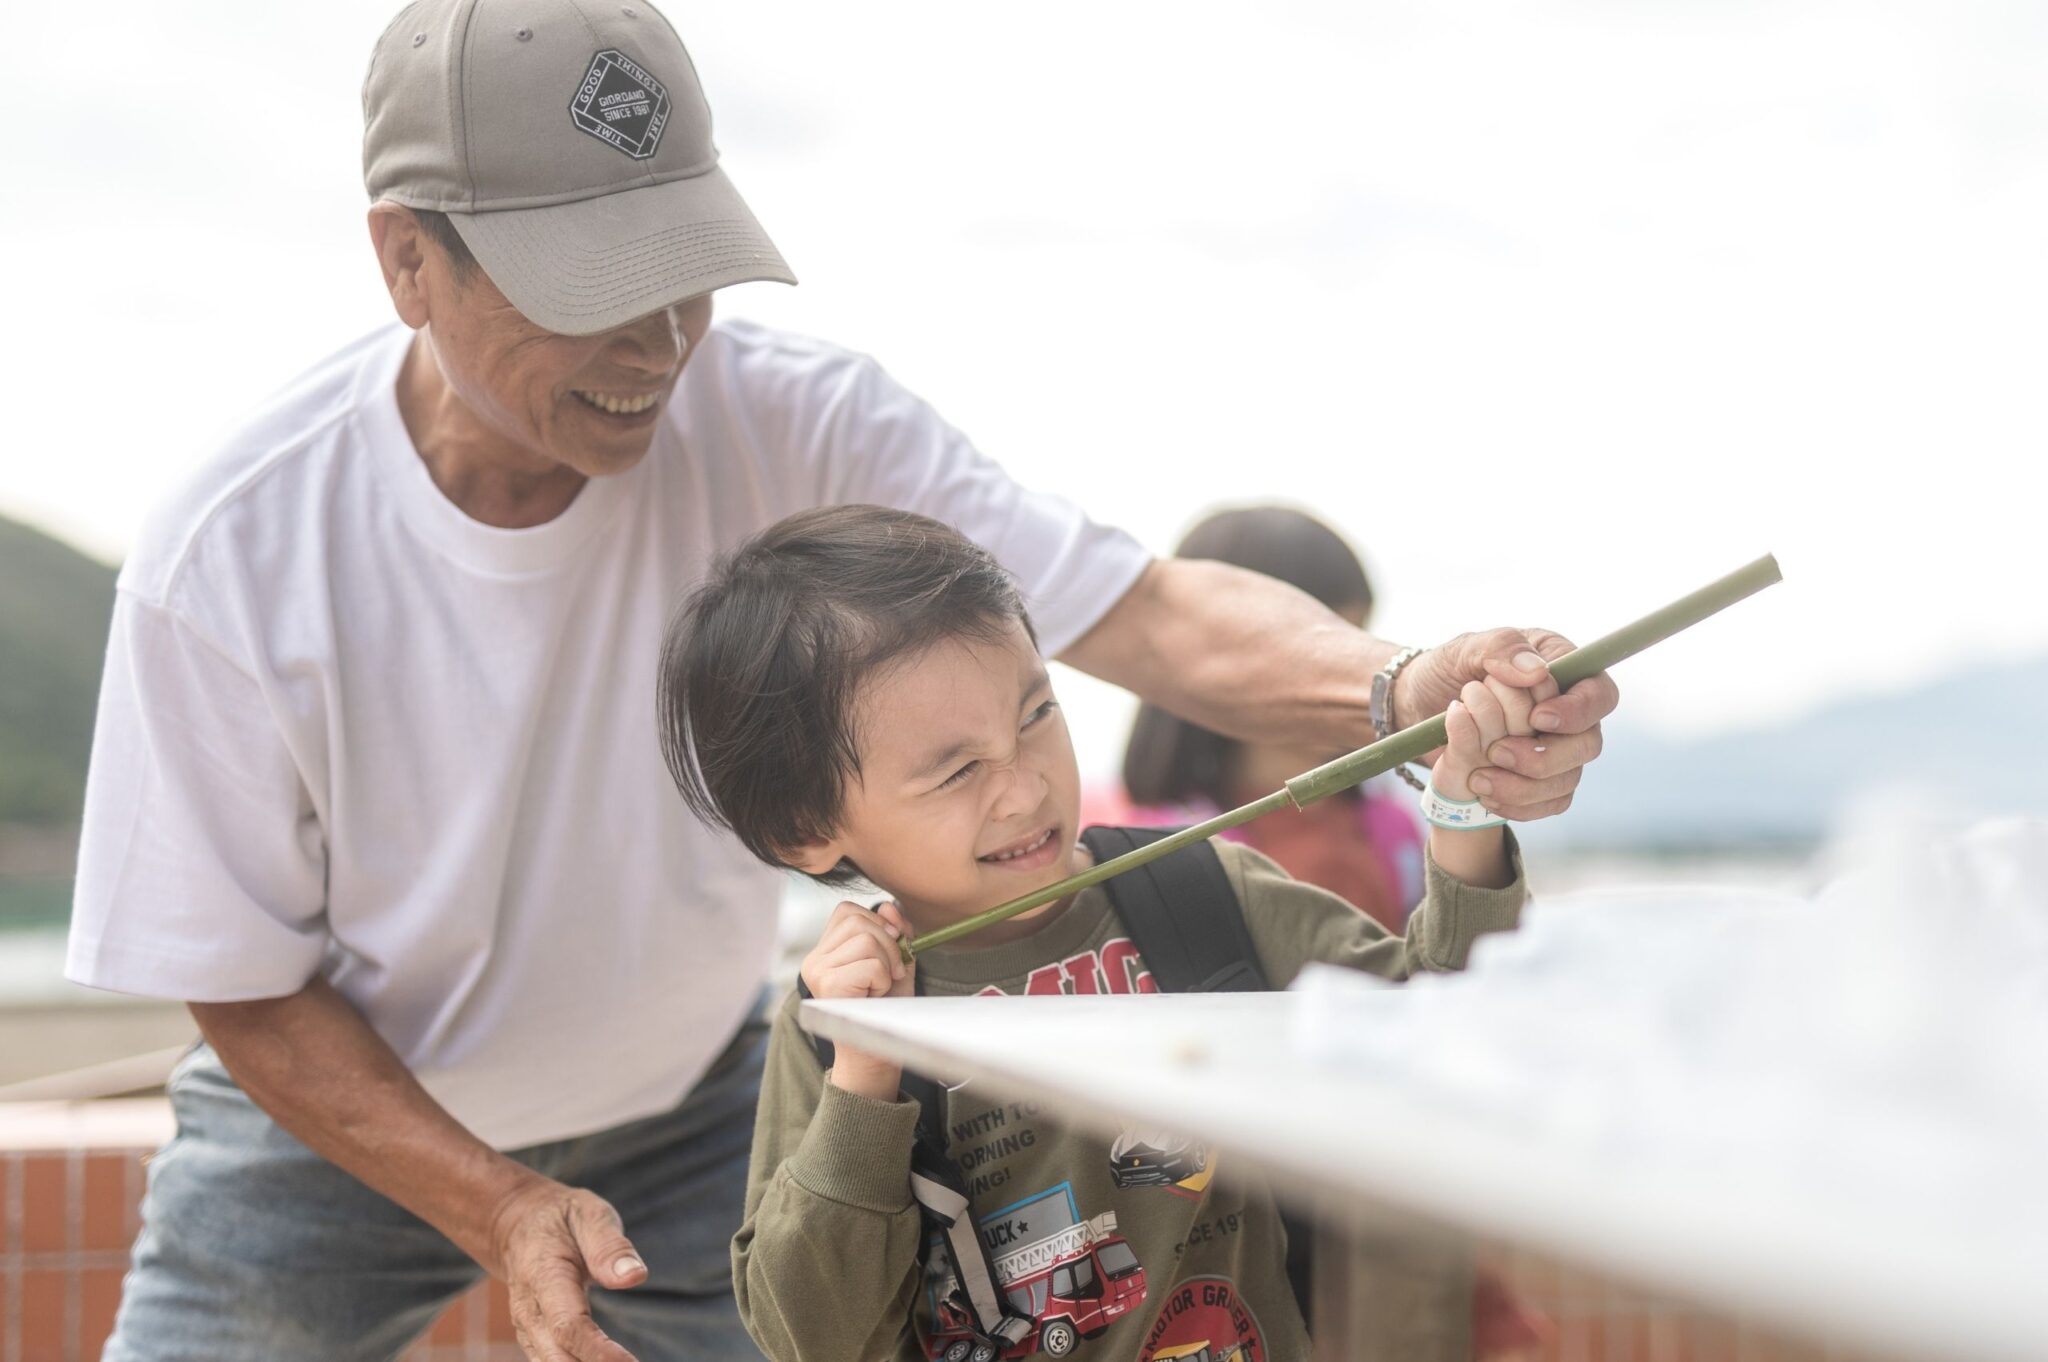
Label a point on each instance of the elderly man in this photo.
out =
(376, 788)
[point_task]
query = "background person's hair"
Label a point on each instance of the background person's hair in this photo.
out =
(761, 666)
(1171, 761)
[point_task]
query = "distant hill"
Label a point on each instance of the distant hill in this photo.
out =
(1975, 742)
(55, 606)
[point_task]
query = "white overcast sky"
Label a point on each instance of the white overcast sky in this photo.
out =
(1558, 307)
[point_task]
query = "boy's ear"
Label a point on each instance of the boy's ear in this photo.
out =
(818, 856)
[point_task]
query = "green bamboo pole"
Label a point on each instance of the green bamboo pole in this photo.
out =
(1407, 745)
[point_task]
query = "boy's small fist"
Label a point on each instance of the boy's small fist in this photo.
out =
(1484, 713)
(857, 956)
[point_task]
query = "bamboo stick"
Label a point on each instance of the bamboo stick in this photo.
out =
(1407, 745)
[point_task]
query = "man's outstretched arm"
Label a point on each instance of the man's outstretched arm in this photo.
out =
(1256, 659)
(314, 1064)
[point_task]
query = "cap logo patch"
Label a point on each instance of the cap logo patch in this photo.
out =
(620, 103)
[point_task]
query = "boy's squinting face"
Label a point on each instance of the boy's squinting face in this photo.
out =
(968, 794)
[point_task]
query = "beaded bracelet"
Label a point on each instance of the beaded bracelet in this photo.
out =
(1383, 703)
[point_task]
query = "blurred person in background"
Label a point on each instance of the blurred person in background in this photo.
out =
(1364, 846)
(372, 788)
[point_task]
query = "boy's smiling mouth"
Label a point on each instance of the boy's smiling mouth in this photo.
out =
(1026, 853)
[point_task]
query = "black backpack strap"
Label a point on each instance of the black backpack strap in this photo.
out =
(1187, 923)
(822, 1047)
(1182, 914)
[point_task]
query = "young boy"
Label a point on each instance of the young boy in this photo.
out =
(856, 694)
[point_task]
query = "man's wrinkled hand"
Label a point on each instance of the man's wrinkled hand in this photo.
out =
(1531, 777)
(550, 1243)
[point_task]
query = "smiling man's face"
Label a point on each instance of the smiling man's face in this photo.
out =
(585, 403)
(968, 794)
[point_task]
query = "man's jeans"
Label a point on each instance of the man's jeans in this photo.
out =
(255, 1249)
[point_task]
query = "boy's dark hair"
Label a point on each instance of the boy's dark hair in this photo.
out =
(761, 665)
(1171, 761)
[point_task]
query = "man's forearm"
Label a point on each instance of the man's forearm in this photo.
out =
(1239, 653)
(315, 1065)
(1255, 659)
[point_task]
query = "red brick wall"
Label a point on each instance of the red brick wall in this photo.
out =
(66, 1221)
(68, 1217)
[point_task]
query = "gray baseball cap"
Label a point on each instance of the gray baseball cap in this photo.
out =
(570, 144)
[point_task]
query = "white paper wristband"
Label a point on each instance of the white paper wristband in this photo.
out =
(1462, 815)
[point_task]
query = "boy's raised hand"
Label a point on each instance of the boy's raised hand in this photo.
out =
(1484, 713)
(1532, 775)
(856, 957)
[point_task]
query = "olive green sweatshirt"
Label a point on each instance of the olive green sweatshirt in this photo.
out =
(1139, 1248)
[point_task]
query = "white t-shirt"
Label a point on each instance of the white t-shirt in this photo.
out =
(346, 730)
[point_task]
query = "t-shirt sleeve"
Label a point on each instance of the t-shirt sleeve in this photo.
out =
(883, 444)
(201, 865)
(1292, 923)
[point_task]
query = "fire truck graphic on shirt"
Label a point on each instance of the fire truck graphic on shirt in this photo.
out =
(1071, 1277)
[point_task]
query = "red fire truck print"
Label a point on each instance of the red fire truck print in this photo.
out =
(1072, 1277)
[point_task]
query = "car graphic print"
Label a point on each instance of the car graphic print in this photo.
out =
(1146, 1158)
(1071, 1277)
